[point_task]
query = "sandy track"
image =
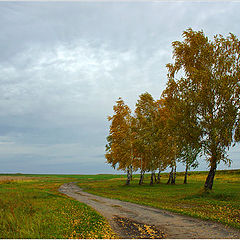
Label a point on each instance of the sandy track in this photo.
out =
(173, 225)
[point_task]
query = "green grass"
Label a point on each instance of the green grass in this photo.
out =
(35, 209)
(222, 204)
(31, 206)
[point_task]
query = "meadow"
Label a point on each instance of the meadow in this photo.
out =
(32, 207)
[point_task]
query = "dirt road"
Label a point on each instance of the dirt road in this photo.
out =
(131, 220)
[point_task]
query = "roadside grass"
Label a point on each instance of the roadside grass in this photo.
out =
(222, 204)
(31, 207)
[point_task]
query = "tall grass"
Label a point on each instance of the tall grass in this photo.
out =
(34, 209)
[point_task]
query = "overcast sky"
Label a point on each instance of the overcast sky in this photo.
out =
(63, 66)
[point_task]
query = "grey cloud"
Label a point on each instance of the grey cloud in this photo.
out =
(63, 66)
(120, 25)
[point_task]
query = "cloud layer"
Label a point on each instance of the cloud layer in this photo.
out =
(63, 66)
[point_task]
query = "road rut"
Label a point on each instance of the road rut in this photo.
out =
(173, 225)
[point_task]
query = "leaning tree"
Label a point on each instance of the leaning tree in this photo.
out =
(119, 149)
(207, 73)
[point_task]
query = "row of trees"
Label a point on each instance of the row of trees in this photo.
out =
(198, 113)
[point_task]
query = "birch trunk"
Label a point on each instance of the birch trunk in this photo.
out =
(141, 177)
(128, 177)
(152, 177)
(159, 176)
(174, 174)
(186, 172)
(209, 181)
(170, 176)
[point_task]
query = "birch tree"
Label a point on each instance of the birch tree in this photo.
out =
(146, 131)
(119, 150)
(207, 71)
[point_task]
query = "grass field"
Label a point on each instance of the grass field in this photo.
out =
(221, 205)
(31, 206)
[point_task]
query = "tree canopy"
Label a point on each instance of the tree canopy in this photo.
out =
(198, 112)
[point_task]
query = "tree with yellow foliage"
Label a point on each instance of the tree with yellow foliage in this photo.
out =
(119, 150)
(182, 128)
(162, 147)
(145, 113)
(207, 74)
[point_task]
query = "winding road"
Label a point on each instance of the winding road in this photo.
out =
(171, 225)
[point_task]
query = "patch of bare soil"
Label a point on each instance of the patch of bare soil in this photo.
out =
(131, 220)
(136, 230)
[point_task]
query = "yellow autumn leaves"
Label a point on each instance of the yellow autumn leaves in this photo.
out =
(196, 115)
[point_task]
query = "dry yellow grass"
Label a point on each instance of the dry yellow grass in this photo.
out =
(113, 179)
(8, 179)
